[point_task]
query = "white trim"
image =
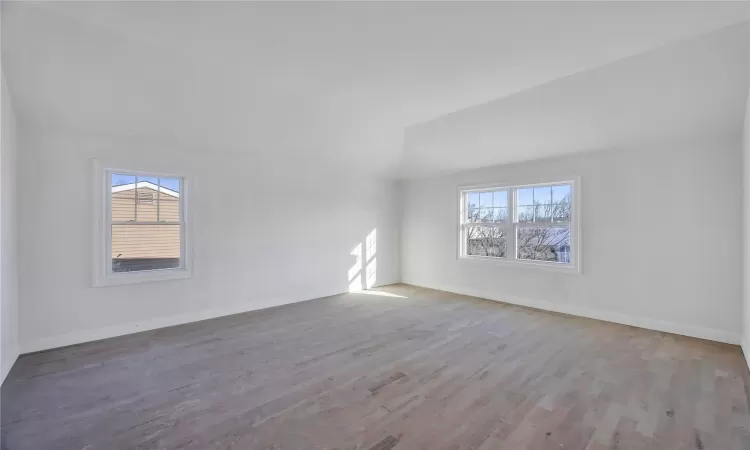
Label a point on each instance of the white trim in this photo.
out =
(102, 245)
(695, 331)
(145, 184)
(78, 337)
(145, 276)
(522, 263)
(511, 226)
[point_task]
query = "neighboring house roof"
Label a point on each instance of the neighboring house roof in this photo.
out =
(145, 184)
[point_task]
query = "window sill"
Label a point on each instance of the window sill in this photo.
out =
(118, 279)
(542, 266)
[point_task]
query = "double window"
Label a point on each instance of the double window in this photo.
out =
(143, 231)
(534, 224)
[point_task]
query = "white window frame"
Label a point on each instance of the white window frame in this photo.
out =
(512, 225)
(102, 248)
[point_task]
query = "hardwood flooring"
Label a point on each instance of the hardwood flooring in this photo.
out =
(422, 370)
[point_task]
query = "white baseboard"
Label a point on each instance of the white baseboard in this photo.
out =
(82, 336)
(607, 316)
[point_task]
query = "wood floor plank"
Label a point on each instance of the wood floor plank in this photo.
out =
(417, 369)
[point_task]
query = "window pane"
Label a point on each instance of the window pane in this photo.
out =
(560, 193)
(543, 195)
(485, 199)
(544, 244)
(542, 213)
(473, 200)
(525, 197)
(561, 212)
(501, 215)
(561, 209)
(473, 215)
(486, 215)
(485, 241)
(120, 180)
(123, 197)
(525, 214)
(500, 199)
(145, 247)
(173, 184)
(146, 199)
(169, 200)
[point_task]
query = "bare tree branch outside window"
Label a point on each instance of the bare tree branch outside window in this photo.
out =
(542, 224)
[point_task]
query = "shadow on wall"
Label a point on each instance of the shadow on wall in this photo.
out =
(364, 254)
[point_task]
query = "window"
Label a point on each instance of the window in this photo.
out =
(533, 224)
(143, 230)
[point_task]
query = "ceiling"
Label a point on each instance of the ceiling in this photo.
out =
(345, 83)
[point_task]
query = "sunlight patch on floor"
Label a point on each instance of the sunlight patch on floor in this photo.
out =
(379, 293)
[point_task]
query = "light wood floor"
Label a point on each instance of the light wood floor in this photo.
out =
(430, 370)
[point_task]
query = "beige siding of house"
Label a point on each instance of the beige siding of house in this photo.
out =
(145, 241)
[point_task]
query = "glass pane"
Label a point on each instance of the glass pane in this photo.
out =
(473, 215)
(561, 193)
(501, 215)
(123, 197)
(525, 197)
(561, 212)
(486, 215)
(562, 203)
(525, 214)
(485, 241)
(146, 199)
(145, 247)
(544, 244)
(485, 199)
(169, 200)
(500, 199)
(543, 195)
(542, 213)
(120, 180)
(152, 180)
(473, 200)
(173, 184)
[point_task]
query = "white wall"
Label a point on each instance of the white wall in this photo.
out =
(264, 235)
(746, 233)
(678, 199)
(8, 237)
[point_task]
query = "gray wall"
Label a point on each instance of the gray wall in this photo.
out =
(8, 266)
(661, 237)
(746, 231)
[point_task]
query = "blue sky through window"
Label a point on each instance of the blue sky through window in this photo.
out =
(119, 179)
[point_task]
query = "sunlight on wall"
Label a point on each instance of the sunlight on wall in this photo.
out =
(372, 263)
(355, 272)
(371, 272)
(371, 244)
(357, 279)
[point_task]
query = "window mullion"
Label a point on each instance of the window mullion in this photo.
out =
(463, 220)
(135, 204)
(158, 199)
(510, 253)
(108, 225)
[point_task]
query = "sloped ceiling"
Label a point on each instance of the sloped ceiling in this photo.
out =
(694, 88)
(344, 83)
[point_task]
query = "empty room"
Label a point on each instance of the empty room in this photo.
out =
(358, 225)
